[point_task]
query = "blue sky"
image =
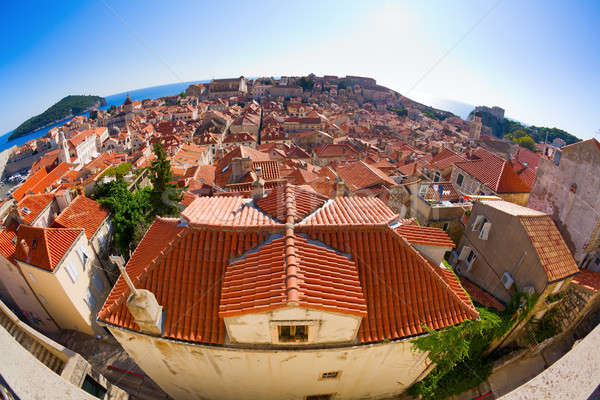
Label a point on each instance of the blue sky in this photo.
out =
(540, 60)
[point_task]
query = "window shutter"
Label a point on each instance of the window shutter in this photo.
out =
(464, 253)
(477, 222)
(72, 271)
(485, 231)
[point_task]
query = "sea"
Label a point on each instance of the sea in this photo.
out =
(153, 92)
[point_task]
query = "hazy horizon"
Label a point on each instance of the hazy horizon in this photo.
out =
(537, 60)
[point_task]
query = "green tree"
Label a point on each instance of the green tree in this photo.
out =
(164, 194)
(182, 94)
(306, 83)
(128, 211)
(526, 141)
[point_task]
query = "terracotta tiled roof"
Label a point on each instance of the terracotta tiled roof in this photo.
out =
(448, 192)
(358, 175)
(269, 169)
(426, 235)
(166, 254)
(29, 183)
(445, 159)
(305, 202)
(588, 279)
(402, 289)
(44, 247)
(351, 211)
(229, 211)
(335, 150)
(80, 137)
(495, 173)
(256, 282)
(32, 205)
(480, 296)
(7, 240)
(83, 212)
(550, 246)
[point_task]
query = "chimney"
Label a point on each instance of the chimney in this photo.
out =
(258, 186)
(239, 168)
(63, 199)
(142, 304)
(340, 187)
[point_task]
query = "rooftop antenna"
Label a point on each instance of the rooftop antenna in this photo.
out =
(121, 264)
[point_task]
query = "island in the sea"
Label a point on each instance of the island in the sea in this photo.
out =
(66, 108)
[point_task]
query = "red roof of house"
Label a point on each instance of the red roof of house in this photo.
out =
(229, 211)
(445, 159)
(366, 211)
(588, 279)
(275, 203)
(335, 267)
(495, 173)
(7, 240)
(552, 251)
(82, 212)
(44, 247)
(327, 280)
(480, 296)
(32, 205)
(358, 175)
(29, 183)
(416, 234)
(335, 150)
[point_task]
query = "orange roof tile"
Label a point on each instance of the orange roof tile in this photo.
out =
(29, 183)
(358, 175)
(44, 247)
(352, 211)
(32, 205)
(481, 296)
(588, 279)
(83, 212)
(230, 211)
(256, 282)
(8, 240)
(550, 247)
(305, 202)
(426, 235)
(402, 289)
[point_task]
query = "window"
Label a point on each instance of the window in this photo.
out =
(90, 300)
(293, 333)
(484, 231)
(478, 221)
(83, 256)
(445, 227)
(72, 271)
(34, 243)
(98, 283)
(331, 375)
(93, 387)
(436, 176)
(472, 257)
(459, 179)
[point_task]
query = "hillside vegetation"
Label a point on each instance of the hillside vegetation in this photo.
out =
(515, 130)
(68, 106)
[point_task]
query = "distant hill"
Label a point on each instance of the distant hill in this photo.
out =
(505, 126)
(65, 108)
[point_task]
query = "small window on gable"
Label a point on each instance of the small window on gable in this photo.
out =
(293, 333)
(83, 256)
(459, 179)
(331, 375)
(26, 210)
(34, 243)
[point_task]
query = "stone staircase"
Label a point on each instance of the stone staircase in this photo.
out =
(38, 350)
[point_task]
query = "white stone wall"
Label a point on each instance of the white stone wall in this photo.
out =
(188, 371)
(324, 327)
